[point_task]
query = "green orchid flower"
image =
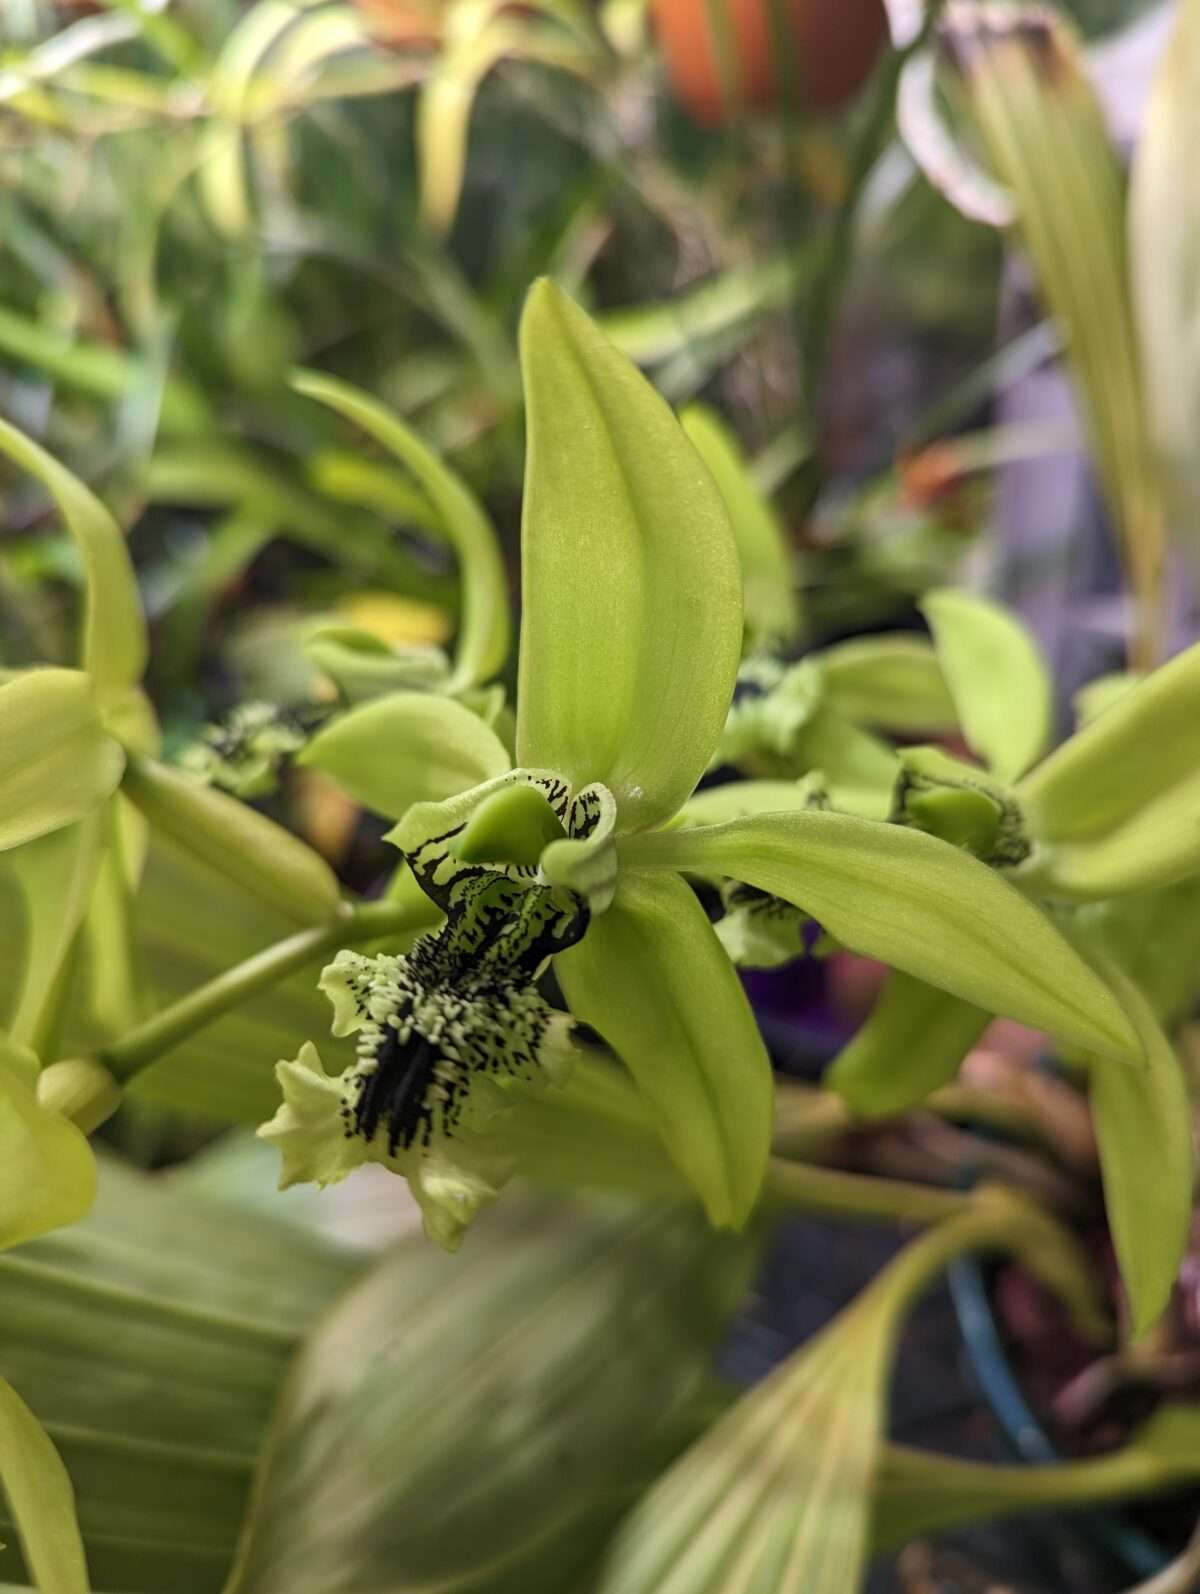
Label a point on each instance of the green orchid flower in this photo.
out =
(245, 753)
(631, 636)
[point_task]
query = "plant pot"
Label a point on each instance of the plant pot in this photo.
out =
(1112, 1534)
(726, 55)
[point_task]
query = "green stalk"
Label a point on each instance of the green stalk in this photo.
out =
(146, 1042)
(798, 1187)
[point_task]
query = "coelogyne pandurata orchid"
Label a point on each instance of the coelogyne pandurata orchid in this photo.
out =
(630, 641)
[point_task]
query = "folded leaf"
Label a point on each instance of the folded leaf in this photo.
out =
(235, 840)
(1143, 1122)
(1117, 807)
(772, 611)
(652, 978)
(632, 608)
(917, 903)
(911, 1044)
(406, 748)
(454, 1413)
(56, 874)
(47, 1171)
(997, 677)
(484, 631)
(41, 1499)
(114, 635)
(57, 762)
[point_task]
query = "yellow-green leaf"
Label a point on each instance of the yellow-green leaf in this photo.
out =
(632, 614)
(41, 1499)
(996, 675)
(917, 903)
(652, 978)
(114, 633)
(57, 762)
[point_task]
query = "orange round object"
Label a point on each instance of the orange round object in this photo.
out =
(834, 45)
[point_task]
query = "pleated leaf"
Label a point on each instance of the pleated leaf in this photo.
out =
(632, 608)
(652, 978)
(457, 1412)
(914, 902)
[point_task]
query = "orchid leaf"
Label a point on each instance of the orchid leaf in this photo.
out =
(57, 874)
(114, 633)
(997, 678)
(405, 748)
(772, 611)
(483, 635)
(777, 1495)
(40, 1497)
(914, 902)
(57, 762)
(890, 683)
(1117, 807)
(236, 841)
(911, 1044)
(1143, 1122)
(632, 609)
(652, 978)
(47, 1171)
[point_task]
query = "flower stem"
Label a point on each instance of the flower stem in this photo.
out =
(145, 1043)
(799, 1187)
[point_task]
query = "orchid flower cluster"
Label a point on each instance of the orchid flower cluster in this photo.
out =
(667, 764)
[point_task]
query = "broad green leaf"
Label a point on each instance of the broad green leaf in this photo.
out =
(917, 903)
(652, 978)
(1043, 128)
(406, 748)
(1117, 807)
(771, 607)
(632, 612)
(57, 762)
(483, 635)
(47, 1171)
(114, 635)
(996, 675)
(1143, 1122)
(776, 1497)
(911, 1044)
(1164, 222)
(454, 1412)
(236, 841)
(890, 683)
(41, 1499)
(56, 874)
